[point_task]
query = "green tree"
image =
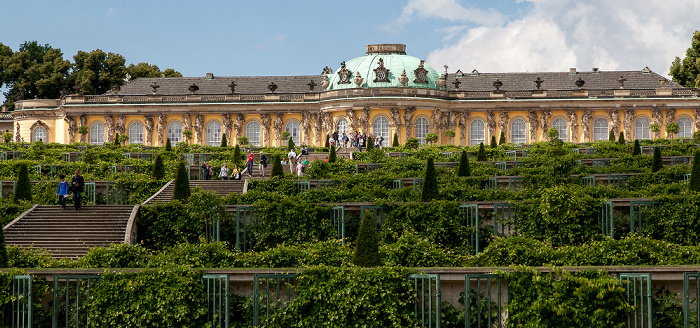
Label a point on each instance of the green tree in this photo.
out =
(243, 141)
(502, 140)
(553, 134)
(481, 154)
(396, 140)
(560, 205)
(412, 143)
(332, 156)
(611, 135)
(7, 137)
(463, 169)
(168, 146)
(83, 130)
(148, 70)
(621, 139)
(188, 135)
(277, 170)
(494, 143)
(657, 164)
(23, 189)
(686, 72)
(123, 139)
(237, 155)
(290, 144)
(370, 143)
(637, 148)
(96, 72)
(367, 245)
(158, 168)
(694, 183)
(430, 186)
(224, 141)
(431, 137)
(328, 142)
(672, 129)
(116, 140)
(182, 184)
(450, 133)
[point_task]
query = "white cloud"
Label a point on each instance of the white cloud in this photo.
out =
(443, 9)
(554, 35)
(111, 12)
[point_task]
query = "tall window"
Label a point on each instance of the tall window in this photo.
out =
(39, 133)
(136, 133)
(97, 133)
(252, 132)
(685, 128)
(381, 127)
(600, 129)
(641, 129)
(518, 131)
(342, 126)
(560, 125)
(214, 134)
(422, 128)
(294, 131)
(477, 132)
(175, 132)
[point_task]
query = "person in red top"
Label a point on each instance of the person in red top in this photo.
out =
(249, 163)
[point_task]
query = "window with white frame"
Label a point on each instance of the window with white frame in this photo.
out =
(685, 128)
(381, 127)
(422, 128)
(518, 131)
(342, 126)
(40, 133)
(252, 132)
(294, 130)
(175, 132)
(641, 128)
(600, 129)
(97, 133)
(136, 133)
(561, 125)
(477, 132)
(214, 133)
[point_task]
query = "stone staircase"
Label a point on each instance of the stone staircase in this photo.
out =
(221, 187)
(69, 233)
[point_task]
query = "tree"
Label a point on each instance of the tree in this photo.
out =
(148, 70)
(224, 141)
(370, 143)
(553, 134)
(686, 72)
(182, 183)
(7, 137)
(412, 143)
(502, 140)
(158, 168)
(290, 144)
(328, 142)
(463, 169)
(332, 156)
(637, 148)
(277, 170)
(450, 134)
(284, 136)
(116, 139)
(396, 140)
(611, 135)
(83, 130)
(23, 189)
(367, 245)
(481, 154)
(123, 139)
(237, 155)
(96, 72)
(188, 135)
(672, 129)
(621, 139)
(494, 144)
(243, 141)
(168, 146)
(430, 186)
(694, 183)
(657, 164)
(431, 137)
(560, 205)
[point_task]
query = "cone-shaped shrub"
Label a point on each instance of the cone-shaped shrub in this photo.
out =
(637, 148)
(621, 139)
(237, 154)
(182, 183)
(277, 170)
(116, 140)
(502, 140)
(367, 245)
(396, 140)
(370, 143)
(168, 147)
(290, 144)
(3, 250)
(493, 142)
(657, 164)
(328, 142)
(463, 170)
(224, 141)
(611, 135)
(430, 185)
(694, 183)
(332, 156)
(23, 189)
(481, 154)
(158, 168)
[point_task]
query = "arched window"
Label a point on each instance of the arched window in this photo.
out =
(175, 132)
(97, 133)
(252, 132)
(477, 132)
(136, 133)
(342, 126)
(422, 128)
(560, 125)
(685, 128)
(40, 133)
(600, 129)
(294, 131)
(641, 129)
(214, 134)
(518, 131)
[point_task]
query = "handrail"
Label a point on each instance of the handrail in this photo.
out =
(130, 224)
(20, 217)
(158, 192)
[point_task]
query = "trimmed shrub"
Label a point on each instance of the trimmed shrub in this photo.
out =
(481, 154)
(637, 148)
(396, 140)
(182, 184)
(656, 165)
(430, 186)
(463, 170)
(328, 142)
(502, 140)
(224, 141)
(117, 142)
(621, 139)
(694, 183)
(237, 154)
(277, 170)
(367, 245)
(493, 142)
(23, 189)
(611, 136)
(158, 168)
(412, 143)
(332, 156)
(290, 144)
(370, 143)
(168, 146)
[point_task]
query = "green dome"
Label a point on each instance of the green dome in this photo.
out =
(395, 60)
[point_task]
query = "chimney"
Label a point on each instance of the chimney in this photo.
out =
(210, 76)
(572, 71)
(595, 70)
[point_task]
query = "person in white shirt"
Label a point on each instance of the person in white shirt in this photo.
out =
(223, 174)
(292, 156)
(300, 168)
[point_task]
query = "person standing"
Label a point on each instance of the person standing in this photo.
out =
(249, 163)
(77, 183)
(205, 169)
(223, 173)
(62, 191)
(345, 140)
(292, 156)
(263, 164)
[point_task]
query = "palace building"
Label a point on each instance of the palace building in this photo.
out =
(384, 92)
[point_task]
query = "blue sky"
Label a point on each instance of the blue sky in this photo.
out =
(301, 37)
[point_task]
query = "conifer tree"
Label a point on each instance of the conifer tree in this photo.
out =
(277, 170)
(611, 135)
(237, 154)
(182, 184)
(637, 148)
(23, 189)
(694, 183)
(224, 141)
(430, 185)
(168, 147)
(370, 143)
(621, 139)
(328, 142)
(367, 245)
(657, 164)
(463, 170)
(493, 142)
(3, 250)
(332, 156)
(481, 154)
(290, 144)
(502, 140)
(158, 168)
(116, 140)
(396, 140)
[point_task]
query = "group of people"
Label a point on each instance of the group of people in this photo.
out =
(355, 139)
(75, 186)
(226, 173)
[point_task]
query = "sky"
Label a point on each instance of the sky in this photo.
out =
(275, 37)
